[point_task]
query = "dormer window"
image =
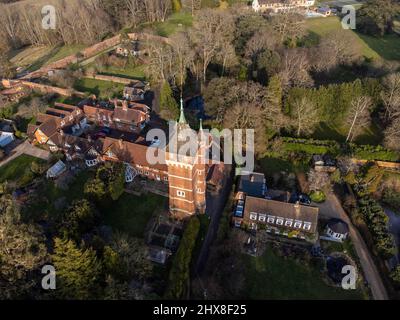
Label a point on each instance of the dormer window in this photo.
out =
(279, 221)
(297, 224)
(253, 216)
(262, 217)
(288, 223)
(307, 226)
(271, 219)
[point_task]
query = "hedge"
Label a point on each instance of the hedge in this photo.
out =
(180, 269)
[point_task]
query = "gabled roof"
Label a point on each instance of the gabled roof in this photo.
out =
(133, 153)
(282, 209)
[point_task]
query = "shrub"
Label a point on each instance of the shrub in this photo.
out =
(318, 196)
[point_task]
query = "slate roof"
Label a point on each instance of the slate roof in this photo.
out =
(282, 209)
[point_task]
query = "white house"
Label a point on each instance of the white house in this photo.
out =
(336, 230)
(281, 5)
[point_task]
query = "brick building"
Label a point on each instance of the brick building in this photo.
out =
(185, 173)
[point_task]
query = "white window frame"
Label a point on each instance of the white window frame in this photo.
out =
(288, 222)
(271, 219)
(180, 193)
(262, 217)
(279, 221)
(298, 224)
(307, 226)
(253, 216)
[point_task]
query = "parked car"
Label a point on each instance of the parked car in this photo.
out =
(300, 197)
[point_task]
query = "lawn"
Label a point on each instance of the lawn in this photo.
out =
(274, 277)
(134, 72)
(16, 169)
(131, 213)
(34, 58)
(386, 47)
(175, 23)
(50, 194)
(102, 89)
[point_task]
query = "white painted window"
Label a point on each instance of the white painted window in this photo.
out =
(288, 222)
(307, 226)
(271, 219)
(262, 217)
(279, 221)
(180, 193)
(165, 178)
(297, 224)
(253, 216)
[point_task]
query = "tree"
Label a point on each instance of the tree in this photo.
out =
(358, 116)
(132, 256)
(376, 17)
(336, 48)
(210, 29)
(78, 219)
(305, 116)
(176, 5)
(391, 95)
(22, 251)
(295, 66)
(78, 270)
(272, 109)
(184, 56)
(395, 275)
(392, 135)
(95, 188)
(168, 107)
(179, 274)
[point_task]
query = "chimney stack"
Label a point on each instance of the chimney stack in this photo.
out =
(124, 105)
(121, 143)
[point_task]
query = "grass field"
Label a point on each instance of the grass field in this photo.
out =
(33, 58)
(274, 277)
(134, 72)
(387, 47)
(16, 169)
(176, 22)
(102, 89)
(131, 213)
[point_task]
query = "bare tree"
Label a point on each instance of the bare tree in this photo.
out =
(392, 135)
(305, 116)
(184, 55)
(211, 28)
(162, 64)
(359, 116)
(336, 48)
(295, 68)
(391, 95)
(290, 25)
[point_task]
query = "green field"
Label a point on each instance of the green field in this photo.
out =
(387, 47)
(131, 213)
(175, 23)
(33, 58)
(274, 277)
(50, 194)
(102, 89)
(16, 168)
(134, 72)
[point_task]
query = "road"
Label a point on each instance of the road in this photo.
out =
(26, 148)
(215, 207)
(332, 208)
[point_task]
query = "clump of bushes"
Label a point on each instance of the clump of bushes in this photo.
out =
(318, 196)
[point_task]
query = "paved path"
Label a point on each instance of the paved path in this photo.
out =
(26, 148)
(333, 209)
(215, 207)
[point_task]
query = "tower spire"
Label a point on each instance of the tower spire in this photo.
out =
(201, 124)
(182, 118)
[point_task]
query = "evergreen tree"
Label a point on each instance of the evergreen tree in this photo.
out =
(169, 109)
(78, 219)
(176, 5)
(78, 270)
